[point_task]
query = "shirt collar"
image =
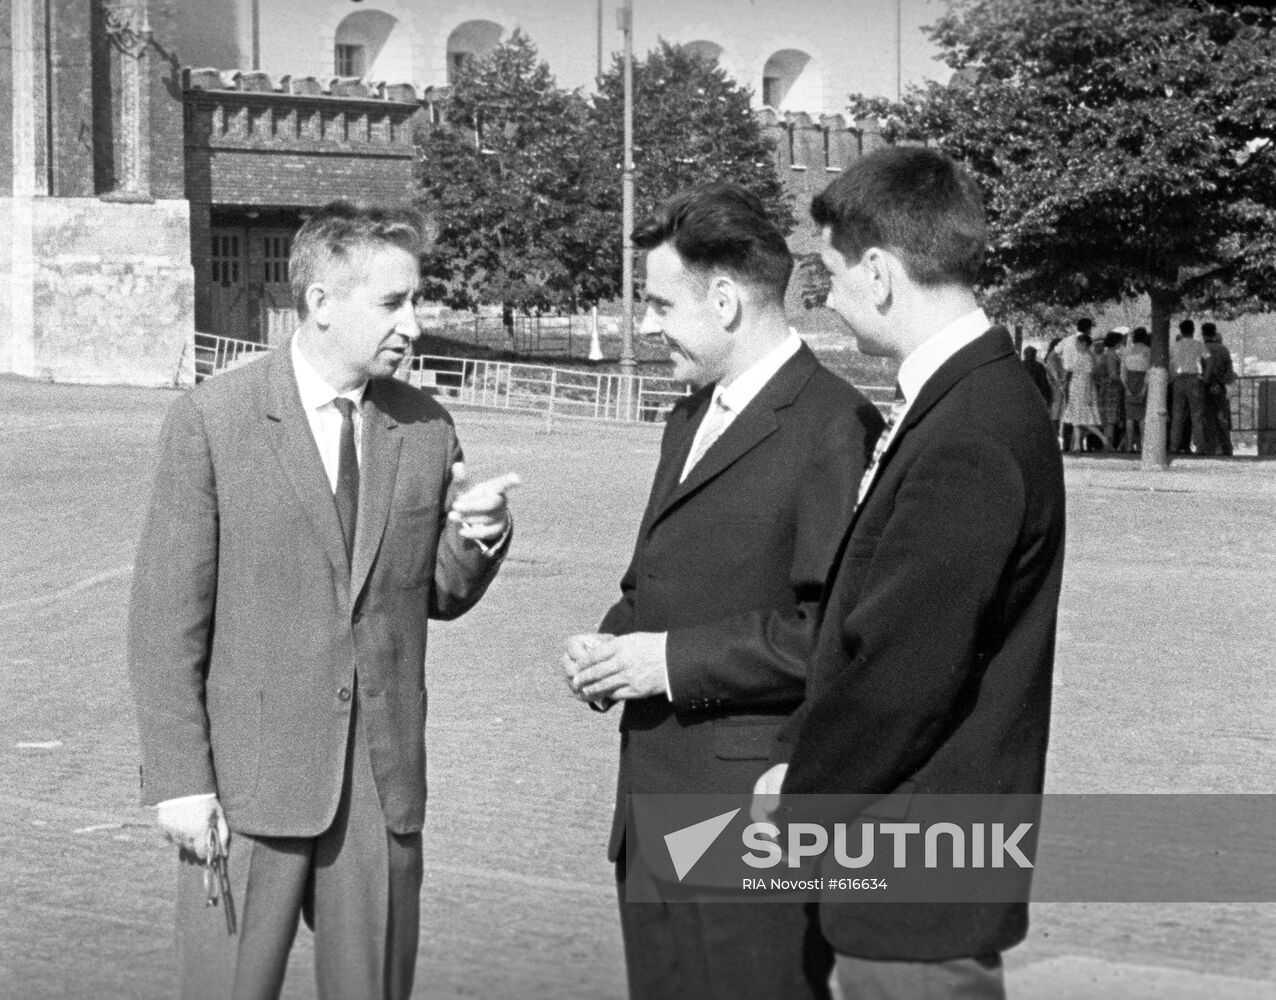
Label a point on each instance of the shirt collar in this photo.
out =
(739, 394)
(927, 359)
(313, 388)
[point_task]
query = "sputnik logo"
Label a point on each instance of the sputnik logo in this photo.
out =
(688, 845)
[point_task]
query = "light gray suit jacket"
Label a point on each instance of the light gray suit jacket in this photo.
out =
(247, 624)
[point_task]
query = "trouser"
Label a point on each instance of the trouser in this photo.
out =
(680, 947)
(357, 885)
(1188, 404)
(1218, 421)
(955, 979)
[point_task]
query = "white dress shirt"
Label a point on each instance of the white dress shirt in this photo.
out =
(322, 414)
(740, 392)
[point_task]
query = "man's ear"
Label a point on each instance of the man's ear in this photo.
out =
(724, 297)
(318, 303)
(881, 266)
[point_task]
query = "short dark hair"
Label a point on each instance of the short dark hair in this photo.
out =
(1084, 338)
(1141, 336)
(1112, 339)
(1085, 324)
(721, 225)
(1187, 328)
(915, 202)
(1029, 351)
(342, 228)
(1208, 330)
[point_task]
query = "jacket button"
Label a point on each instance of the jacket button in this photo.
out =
(344, 694)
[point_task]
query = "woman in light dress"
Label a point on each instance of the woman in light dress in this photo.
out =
(1082, 409)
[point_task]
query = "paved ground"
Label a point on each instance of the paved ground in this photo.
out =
(1166, 654)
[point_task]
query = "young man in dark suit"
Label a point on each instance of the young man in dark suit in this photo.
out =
(301, 533)
(932, 664)
(708, 643)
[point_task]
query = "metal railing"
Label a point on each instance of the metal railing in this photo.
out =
(555, 392)
(573, 394)
(1243, 397)
(215, 354)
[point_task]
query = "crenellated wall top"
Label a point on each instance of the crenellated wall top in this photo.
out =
(255, 82)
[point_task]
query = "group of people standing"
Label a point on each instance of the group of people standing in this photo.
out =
(1096, 388)
(820, 601)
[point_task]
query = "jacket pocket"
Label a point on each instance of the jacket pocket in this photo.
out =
(410, 543)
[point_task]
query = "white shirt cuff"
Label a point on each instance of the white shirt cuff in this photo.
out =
(186, 798)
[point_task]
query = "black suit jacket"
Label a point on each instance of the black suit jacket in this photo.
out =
(730, 563)
(933, 659)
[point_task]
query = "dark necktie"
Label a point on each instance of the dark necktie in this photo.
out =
(347, 491)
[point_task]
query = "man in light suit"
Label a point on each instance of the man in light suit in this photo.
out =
(932, 664)
(302, 530)
(708, 643)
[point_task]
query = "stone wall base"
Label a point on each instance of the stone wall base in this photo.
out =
(97, 292)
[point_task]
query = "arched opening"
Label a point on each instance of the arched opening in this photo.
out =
(471, 40)
(365, 45)
(782, 78)
(704, 48)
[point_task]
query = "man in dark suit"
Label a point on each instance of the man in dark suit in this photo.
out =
(933, 658)
(299, 536)
(708, 643)
(1037, 372)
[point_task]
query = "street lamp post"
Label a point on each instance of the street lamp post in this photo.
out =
(627, 362)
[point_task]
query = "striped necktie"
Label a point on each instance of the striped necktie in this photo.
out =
(710, 430)
(897, 410)
(346, 493)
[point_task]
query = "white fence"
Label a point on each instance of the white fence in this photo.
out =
(554, 392)
(573, 394)
(214, 354)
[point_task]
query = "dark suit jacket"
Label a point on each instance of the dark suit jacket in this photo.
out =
(730, 563)
(933, 659)
(247, 624)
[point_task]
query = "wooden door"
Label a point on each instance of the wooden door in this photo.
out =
(229, 298)
(278, 316)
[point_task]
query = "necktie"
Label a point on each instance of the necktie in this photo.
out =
(347, 492)
(710, 430)
(897, 411)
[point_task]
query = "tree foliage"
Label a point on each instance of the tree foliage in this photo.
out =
(506, 177)
(693, 124)
(522, 179)
(1125, 147)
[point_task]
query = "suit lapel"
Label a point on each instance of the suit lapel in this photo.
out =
(984, 349)
(378, 467)
(682, 435)
(755, 423)
(298, 455)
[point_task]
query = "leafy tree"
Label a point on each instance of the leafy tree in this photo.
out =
(505, 179)
(1125, 148)
(692, 124)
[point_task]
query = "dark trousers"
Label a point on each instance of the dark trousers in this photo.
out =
(357, 885)
(1188, 405)
(682, 947)
(1218, 421)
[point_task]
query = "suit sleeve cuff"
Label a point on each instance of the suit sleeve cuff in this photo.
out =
(493, 549)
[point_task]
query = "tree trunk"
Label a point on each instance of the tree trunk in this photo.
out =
(1155, 451)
